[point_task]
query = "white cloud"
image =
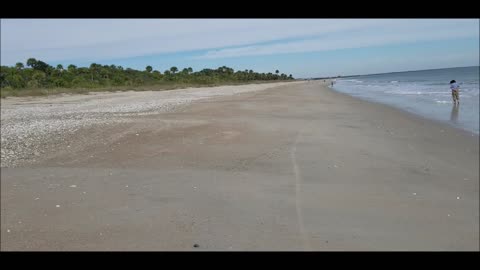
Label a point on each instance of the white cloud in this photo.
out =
(103, 39)
(53, 40)
(373, 36)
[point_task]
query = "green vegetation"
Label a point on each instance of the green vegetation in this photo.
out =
(39, 78)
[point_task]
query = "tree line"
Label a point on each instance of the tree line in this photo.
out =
(37, 74)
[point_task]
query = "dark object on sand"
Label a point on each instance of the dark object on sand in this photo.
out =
(195, 245)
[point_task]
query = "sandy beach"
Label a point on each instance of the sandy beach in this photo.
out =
(288, 166)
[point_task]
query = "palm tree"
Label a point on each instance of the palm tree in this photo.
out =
(19, 65)
(103, 71)
(173, 69)
(149, 69)
(93, 69)
(31, 62)
(276, 71)
(71, 68)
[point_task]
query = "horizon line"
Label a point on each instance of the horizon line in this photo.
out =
(368, 74)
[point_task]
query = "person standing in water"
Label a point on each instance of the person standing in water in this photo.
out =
(455, 87)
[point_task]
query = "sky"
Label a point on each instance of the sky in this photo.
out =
(301, 47)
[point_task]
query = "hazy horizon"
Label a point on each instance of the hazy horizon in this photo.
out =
(402, 71)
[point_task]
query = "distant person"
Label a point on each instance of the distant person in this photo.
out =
(455, 87)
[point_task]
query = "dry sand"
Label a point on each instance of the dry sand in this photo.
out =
(294, 167)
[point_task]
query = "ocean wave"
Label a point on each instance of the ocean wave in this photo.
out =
(399, 92)
(442, 92)
(352, 80)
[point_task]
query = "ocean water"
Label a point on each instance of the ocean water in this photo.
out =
(426, 93)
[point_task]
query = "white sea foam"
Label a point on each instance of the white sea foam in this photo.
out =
(353, 80)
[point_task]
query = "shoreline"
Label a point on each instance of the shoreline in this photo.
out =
(52, 98)
(410, 114)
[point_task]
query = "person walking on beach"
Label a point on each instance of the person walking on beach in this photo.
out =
(455, 87)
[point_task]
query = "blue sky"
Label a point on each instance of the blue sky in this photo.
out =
(301, 47)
